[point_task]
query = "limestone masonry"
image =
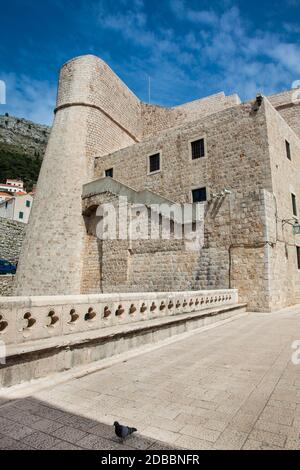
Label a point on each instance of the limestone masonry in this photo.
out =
(12, 234)
(241, 161)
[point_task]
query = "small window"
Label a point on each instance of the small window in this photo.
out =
(288, 150)
(294, 204)
(199, 195)
(298, 256)
(109, 172)
(21, 215)
(27, 203)
(154, 163)
(198, 149)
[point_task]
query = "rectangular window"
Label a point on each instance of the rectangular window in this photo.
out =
(198, 149)
(154, 163)
(27, 203)
(294, 204)
(298, 256)
(21, 215)
(109, 172)
(199, 195)
(288, 150)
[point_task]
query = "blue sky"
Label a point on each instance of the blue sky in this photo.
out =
(189, 48)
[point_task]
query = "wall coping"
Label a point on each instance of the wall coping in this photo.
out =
(29, 301)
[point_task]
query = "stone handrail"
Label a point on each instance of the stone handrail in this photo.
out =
(35, 318)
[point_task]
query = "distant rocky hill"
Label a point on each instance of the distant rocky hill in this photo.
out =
(29, 137)
(22, 147)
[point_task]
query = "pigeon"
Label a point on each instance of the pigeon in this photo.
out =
(123, 431)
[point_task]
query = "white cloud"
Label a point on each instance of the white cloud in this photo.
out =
(181, 10)
(292, 28)
(246, 59)
(288, 55)
(220, 51)
(210, 51)
(204, 17)
(31, 99)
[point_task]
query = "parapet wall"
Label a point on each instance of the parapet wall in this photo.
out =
(35, 318)
(53, 334)
(209, 105)
(157, 118)
(283, 98)
(288, 105)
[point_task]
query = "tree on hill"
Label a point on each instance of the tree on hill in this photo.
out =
(15, 164)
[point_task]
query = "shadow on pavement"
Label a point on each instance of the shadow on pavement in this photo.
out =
(27, 424)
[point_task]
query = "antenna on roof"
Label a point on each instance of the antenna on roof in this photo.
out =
(149, 89)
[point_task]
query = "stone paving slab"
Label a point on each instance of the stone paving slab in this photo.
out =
(230, 387)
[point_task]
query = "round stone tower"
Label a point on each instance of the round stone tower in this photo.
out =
(95, 114)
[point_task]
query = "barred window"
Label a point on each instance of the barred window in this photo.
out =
(198, 149)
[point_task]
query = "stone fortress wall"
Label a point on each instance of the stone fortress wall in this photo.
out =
(284, 275)
(236, 160)
(100, 124)
(12, 234)
(51, 259)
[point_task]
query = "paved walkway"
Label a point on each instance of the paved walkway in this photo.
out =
(231, 387)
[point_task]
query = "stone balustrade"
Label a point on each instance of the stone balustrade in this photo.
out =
(24, 319)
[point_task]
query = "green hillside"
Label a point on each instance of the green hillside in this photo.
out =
(15, 164)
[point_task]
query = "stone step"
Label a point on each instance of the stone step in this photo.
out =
(42, 357)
